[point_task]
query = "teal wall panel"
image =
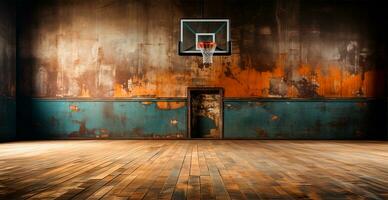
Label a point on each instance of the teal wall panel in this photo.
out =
(243, 119)
(303, 119)
(7, 119)
(105, 119)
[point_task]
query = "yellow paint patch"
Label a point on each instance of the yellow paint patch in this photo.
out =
(165, 105)
(84, 91)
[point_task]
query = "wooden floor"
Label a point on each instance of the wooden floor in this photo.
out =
(197, 169)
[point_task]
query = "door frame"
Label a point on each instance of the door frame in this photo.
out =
(189, 110)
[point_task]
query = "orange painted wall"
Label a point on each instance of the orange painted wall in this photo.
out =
(128, 49)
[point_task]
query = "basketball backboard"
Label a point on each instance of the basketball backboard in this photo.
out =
(194, 31)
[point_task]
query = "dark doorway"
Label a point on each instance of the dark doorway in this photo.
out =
(205, 116)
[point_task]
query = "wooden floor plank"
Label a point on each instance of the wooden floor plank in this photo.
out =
(196, 169)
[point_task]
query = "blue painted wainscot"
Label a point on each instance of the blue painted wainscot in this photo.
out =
(167, 119)
(304, 119)
(107, 119)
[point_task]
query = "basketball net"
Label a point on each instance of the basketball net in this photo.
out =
(207, 50)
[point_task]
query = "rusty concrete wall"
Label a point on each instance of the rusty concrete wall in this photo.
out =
(7, 49)
(128, 48)
(7, 70)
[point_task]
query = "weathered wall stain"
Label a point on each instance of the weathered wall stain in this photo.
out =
(301, 119)
(7, 49)
(128, 49)
(102, 119)
(84, 132)
(170, 105)
(7, 70)
(254, 118)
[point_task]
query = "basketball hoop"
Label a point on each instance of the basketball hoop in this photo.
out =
(207, 50)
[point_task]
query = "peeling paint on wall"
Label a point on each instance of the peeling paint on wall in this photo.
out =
(7, 71)
(280, 49)
(170, 105)
(41, 82)
(7, 49)
(74, 108)
(104, 119)
(281, 119)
